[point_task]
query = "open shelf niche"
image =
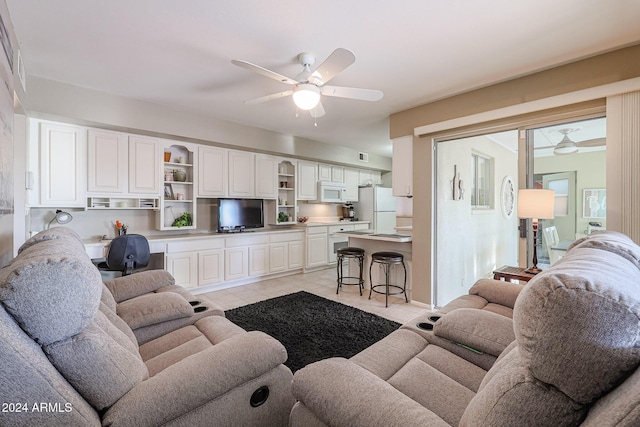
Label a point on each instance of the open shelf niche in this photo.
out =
(178, 195)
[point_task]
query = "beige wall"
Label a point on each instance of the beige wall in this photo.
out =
(611, 67)
(593, 78)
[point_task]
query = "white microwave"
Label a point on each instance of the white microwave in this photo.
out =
(331, 192)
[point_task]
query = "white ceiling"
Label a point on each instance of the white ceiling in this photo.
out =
(179, 53)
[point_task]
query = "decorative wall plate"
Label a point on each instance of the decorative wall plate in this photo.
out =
(508, 197)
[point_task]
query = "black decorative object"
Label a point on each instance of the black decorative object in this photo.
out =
(313, 328)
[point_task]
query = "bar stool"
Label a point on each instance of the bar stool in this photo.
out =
(386, 260)
(348, 253)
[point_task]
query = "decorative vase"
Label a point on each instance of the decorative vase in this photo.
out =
(180, 175)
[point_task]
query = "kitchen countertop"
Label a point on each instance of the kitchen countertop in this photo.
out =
(325, 223)
(372, 235)
(195, 236)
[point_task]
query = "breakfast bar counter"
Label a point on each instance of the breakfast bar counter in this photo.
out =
(373, 242)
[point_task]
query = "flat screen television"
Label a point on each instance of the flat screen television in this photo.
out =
(239, 214)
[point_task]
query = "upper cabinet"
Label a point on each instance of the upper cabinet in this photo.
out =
(337, 174)
(61, 166)
(367, 178)
(107, 162)
(241, 174)
(330, 173)
(324, 172)
(213, 171)
(402, 166)
(144, 167)
(121, 165)
(352, 181)
(307, 180)
(266, 185)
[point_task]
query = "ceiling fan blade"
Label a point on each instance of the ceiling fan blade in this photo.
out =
(263, 71)
(595, 142)
(269, 97)
(352, 93)
(317, 111)
(335, 63)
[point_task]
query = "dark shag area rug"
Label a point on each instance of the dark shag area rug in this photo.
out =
(313, 328)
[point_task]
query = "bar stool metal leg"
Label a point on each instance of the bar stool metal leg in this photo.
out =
(386, 260)
(350, 253)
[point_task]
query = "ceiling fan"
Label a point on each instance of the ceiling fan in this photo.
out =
(568, 146)
(309, 85)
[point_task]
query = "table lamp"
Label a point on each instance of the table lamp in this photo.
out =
(61, 217)
(535, 204)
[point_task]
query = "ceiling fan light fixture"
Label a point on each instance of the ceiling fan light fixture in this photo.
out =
(306, 96)
(565, 148)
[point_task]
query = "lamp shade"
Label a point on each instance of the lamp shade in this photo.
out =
(306, 96)
(535, 203)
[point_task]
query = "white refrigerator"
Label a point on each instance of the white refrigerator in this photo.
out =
(377, 205)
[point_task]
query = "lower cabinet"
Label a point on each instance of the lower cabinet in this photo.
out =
(210, 267)
(183, 267)
(258, 260)
(286, 251)
(317, 247)
(236, 263)
(201, 262)
(296, 254)
(278, 257)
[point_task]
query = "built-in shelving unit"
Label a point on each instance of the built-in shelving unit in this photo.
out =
(286, 202)
(178, 195)
(122, 203)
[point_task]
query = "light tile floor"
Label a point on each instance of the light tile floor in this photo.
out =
(321, 283)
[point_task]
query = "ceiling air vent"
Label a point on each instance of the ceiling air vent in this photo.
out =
(363, 157)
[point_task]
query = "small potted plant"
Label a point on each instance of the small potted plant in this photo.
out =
(183, 220)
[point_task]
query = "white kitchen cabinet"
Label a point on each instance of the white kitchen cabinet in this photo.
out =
(307, 180)
(258, 260)
(266, 185)
(213, 171)
(352, 181)
(183, 267)
(317, 247)
(210, 267)
(62, 165)
(337, 174)
(278, 257)
(107, 162)
(296, 254)
(402, 166)
(368, 178)
(144, 165)
(241, 174)
(236, 263)
(286, 251)
(324, 172)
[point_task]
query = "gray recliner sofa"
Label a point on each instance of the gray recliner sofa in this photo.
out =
(570, 355)
(69, 359)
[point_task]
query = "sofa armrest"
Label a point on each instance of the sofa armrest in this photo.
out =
(332, 388)
(133, 285)
(196, 380)
(476, 330)
(496, 291)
